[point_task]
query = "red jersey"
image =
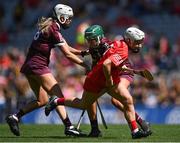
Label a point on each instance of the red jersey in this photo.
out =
(118, 54)
(37, 60)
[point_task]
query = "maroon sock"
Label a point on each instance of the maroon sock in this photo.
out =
(60, 101)
(20, 114)
(138, 118)
(94, 125)
(67, 122)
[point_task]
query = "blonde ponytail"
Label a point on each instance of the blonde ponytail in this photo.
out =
(44, 23)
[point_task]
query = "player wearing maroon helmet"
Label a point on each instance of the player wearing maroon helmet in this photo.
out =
(108, 75)
(36, 69)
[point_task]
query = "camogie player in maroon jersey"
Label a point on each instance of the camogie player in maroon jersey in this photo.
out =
(108, 75)
(36, 69)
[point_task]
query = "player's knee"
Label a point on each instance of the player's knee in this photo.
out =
(128, 100)
(43, 102)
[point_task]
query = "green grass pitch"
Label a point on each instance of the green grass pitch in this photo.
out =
(114, 133)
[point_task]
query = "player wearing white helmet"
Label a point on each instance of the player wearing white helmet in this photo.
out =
(95, 35)
(63, 14)
(108, 75)
(36, 69)
(134, 37)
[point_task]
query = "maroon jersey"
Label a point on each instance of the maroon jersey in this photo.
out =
(38, 56)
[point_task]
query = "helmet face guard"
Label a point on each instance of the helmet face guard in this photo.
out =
(94, 35)
(98, 52)
(136, 45)
(94, 32)
(134, 38)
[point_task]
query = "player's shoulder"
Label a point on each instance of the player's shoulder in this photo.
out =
(120, 44)
(106, 40)
(55, 26)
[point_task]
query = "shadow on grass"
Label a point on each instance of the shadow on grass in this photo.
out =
(51, 137)
(36, 137)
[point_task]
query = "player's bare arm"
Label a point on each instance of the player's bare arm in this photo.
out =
(79, 52)
(142, 72)
(74, 51)
(107, 72)
(65, 48)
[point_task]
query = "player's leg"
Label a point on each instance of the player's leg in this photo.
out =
(42, 99)
(87, 99)
(85, 102)
(51, 86)
(121, 93)
(142, 123)
(92, 113)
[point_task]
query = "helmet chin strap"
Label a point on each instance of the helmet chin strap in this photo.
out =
(135, 50)
(62, 23)
(65, 17)
(98, 40)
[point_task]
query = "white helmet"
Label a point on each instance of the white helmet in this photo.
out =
(61, 10)
(134, 34)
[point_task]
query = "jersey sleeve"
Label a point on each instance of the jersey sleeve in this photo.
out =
(57, 37)
(120, 54)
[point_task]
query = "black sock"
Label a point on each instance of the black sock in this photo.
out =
(20, 114)
(67, 122)
(94, 125)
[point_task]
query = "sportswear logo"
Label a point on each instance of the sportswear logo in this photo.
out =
(73, 131)
(15, 117)
(117, 59)
(36, 36)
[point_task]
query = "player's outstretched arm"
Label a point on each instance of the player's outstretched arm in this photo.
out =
(144, 72)
(65, 48)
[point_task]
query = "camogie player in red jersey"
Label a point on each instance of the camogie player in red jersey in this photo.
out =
(108, 75)
(96, 53)
(36, 69)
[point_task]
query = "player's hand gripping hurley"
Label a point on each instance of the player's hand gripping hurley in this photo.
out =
(144, 73)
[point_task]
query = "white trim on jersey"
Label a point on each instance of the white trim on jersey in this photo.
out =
(62, 40)
(59, 44)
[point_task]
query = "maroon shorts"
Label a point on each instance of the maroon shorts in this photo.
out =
(34, 69)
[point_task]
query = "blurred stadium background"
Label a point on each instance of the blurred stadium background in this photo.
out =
(157, 101)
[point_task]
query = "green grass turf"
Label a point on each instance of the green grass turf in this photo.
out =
(114, 133)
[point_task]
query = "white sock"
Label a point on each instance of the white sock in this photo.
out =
(55, 101)
(135, 131)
